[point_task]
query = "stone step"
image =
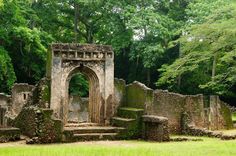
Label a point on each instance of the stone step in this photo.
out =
(95, 136)
(122, 122)
(81, 124)
(9, 134)
(128, 112)
(94, 129)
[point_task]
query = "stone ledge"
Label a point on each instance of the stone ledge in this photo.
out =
(154, 118)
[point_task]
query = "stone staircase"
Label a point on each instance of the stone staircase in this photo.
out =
(9, 134)
(90, 131)
(130, 119)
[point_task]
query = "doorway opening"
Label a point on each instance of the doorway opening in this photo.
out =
(78, 109)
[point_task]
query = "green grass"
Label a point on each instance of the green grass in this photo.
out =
(207, 147)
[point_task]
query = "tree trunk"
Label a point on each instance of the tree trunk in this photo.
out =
(76, 21)
(89, 35)
(214, 67)
(136, 68)
(179, 77)
(148, 77)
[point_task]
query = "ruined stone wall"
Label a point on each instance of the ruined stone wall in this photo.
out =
(38, 125)
(170, 105)
(119, 94)
(78, 109)
(5, 101)
(139, 96)
(219, 114)
(194, 107)
(173, 105)
(20, 94)
(96, 62)
(212, 114)
(35, 120)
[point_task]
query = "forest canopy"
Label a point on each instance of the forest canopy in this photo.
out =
(185, 46)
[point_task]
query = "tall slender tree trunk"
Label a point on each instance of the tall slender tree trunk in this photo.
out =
(90, 36)
(148, 77)
(136, 68)
(179, 77)
(214, 67)
(76, 21)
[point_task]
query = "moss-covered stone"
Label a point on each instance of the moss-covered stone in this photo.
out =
(48, 129)
(120, 92)
(133, 127)
(131, 120)
(138, 95)
(227, 116)
(9, 134)
(128, 112)
(26, 121)
(46, 93)
(49, 63)
(38, 123)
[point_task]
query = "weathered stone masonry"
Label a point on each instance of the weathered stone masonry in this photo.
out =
(42, 111)
(211, 114)
(96, 63)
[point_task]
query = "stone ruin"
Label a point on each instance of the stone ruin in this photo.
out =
(46, 113)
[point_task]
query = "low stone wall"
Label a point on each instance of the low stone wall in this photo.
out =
(211, 114)
(119, 94)
(5, 101)
(9, 134)
(169, 105)
(173, 105)
(35, 120)
(78, 109)
(39, 125)
(138, 96)
(20, 95)
(219, 114)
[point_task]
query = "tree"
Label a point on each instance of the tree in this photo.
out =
(22, 42)
(7, 74)
(208, 55)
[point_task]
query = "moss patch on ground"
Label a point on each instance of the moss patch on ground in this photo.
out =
(207, 147)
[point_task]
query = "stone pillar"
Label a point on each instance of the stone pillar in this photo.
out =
(155, 128)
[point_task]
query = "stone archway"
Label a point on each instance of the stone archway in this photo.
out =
(96, 110)
(97, 63)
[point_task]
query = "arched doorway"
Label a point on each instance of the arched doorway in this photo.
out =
(95, 109)
(96, 62)
(78, 111)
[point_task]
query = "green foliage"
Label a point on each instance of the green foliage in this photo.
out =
(198, 11)
(7, 74)
(213, 40)
(28, 47)
(25, 44)
(79, 85)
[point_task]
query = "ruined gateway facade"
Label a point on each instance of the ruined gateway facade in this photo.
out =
(96, 63)
(115, 110)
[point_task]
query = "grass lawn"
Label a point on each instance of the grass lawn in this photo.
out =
(207, 147)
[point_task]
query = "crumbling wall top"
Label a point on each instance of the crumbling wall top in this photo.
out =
(81, 47)
(84, 52)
